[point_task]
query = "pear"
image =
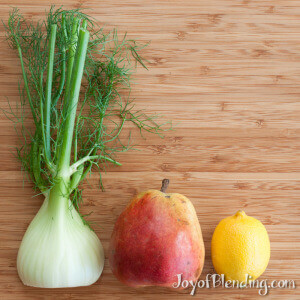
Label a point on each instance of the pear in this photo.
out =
(156, 239)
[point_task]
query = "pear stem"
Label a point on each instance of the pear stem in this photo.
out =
(164, 185)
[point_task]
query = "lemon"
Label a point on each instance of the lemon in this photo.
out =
(240, 245)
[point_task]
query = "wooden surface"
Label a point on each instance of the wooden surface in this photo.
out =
(227, 72)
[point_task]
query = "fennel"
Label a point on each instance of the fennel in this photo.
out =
(73, 73)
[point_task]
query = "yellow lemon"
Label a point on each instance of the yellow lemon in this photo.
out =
(240, 245)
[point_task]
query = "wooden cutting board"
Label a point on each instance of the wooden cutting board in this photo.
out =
(227, 72)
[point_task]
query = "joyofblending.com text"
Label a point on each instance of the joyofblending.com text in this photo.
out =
(216, 280)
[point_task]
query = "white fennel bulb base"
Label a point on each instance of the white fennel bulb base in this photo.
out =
(58, 250)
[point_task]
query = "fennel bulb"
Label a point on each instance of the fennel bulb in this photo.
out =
(58, 250)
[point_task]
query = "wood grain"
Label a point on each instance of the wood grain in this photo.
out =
(227, 73)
